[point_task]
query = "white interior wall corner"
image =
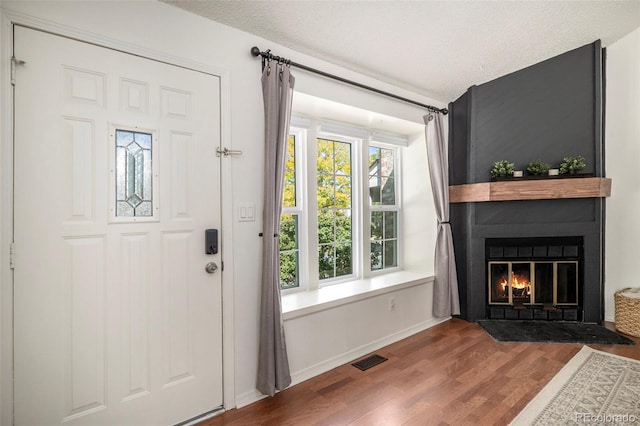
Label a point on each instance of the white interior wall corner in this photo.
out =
(622, 144)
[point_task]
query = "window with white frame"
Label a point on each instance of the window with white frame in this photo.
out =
(289, 235)
(341, 210)
(334, 208)
(383, 206)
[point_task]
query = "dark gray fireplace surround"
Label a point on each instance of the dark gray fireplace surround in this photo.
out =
(546, 111)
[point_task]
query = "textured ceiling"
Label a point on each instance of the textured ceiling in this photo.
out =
(436, 48)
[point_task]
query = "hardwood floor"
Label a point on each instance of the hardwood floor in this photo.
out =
(451, 374)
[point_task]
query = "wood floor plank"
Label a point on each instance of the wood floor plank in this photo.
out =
(451, 374)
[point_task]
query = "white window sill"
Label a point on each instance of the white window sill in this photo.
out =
(307, 302)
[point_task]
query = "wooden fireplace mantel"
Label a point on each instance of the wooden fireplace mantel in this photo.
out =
(543, 189)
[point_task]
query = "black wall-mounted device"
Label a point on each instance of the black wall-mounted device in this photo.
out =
(211, 241)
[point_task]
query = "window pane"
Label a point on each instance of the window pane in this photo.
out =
(289, 270)
(384, 240)
(289, 253)
(124, 209)
(147, 176)
(390, 254)
(342, 152)
(326, 230)
(374, 194)
(326, 191)
(390, 225)
(374, 160)
(374, 176)
(288, 232)
(326, 261)
(290, 174)
(289, 198)
(343, 260)
(325, 157)
(386, 162)
(388, 191)
(143, 209)
(343, 192)
(376, 256)
(381, 176)
(134, 174)
(376, 225)
(381, 173)
(343, 226)
(123, 138)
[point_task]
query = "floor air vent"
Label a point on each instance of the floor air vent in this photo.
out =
(368, 362)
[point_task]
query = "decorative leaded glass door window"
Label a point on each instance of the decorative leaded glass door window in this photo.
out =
(134, 175)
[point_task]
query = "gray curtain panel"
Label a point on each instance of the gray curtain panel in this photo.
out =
(446, 301)
(277, 92)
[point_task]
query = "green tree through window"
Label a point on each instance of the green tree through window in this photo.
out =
(289, 247)
(335, 235)
(325, 213)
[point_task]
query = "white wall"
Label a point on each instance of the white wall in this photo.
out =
(622, 145)
(327, 339)
(315, 340)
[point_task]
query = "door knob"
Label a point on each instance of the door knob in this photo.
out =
(211, 267)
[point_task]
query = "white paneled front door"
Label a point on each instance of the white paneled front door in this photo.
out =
(115, 182)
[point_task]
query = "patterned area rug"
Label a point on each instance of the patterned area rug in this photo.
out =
(594, 387)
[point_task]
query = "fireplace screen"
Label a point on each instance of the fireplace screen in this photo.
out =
(528, 283)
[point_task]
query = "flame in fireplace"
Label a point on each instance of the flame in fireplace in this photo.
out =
(519, 283)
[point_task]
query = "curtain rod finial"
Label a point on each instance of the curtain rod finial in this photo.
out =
(255, 51)
(444, 111)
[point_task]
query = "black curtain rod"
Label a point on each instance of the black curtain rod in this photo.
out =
(267, 55)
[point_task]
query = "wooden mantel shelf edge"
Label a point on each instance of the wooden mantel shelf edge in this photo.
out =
(543, 189)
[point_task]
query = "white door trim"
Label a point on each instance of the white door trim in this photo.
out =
(10, 18)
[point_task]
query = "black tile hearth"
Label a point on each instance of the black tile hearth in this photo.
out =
(552, 332)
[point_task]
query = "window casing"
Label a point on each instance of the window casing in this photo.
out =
(342, 232)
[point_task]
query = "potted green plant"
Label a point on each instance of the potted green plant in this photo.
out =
(572, 165)
(502, 168)
(538, 168)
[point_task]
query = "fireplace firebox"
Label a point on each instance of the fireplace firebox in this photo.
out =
(534, 278)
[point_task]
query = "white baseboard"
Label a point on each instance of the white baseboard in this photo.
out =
(324, 366)
(248, 398)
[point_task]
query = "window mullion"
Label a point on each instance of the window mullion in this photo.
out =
(398, 209)
(301, 208)
(365, 211)
(311, 249)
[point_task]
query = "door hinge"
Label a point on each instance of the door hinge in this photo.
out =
(221, 266)
(15, 62)
(227, 152)
(12, 255)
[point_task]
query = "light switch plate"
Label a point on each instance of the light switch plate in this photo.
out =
(246, 212)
